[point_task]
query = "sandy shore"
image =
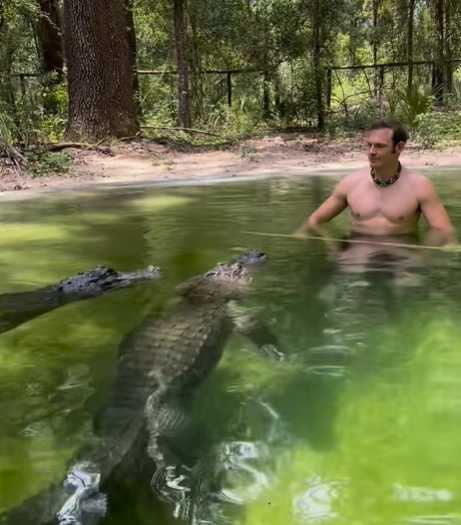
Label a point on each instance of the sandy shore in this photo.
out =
(276, 155)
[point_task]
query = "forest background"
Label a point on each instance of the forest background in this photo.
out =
(81, 72)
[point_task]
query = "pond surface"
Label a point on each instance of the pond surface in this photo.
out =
(359, 424)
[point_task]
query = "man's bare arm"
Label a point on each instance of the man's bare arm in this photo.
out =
(330, 208)
(440, 228)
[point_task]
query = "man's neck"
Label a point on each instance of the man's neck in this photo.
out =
(386, 172)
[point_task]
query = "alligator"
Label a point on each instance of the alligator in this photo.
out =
(159, 364)
(17, 308)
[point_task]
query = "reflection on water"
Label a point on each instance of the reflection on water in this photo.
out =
(358, 424)
(317, 503)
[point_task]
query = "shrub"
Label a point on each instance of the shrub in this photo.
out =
(438, 127)
(411, 104)
(49, 162)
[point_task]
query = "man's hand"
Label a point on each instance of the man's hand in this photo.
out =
(300, 234)
(451, 247)
(440, 237)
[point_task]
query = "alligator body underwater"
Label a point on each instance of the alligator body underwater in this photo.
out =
(159, 363)
(17, 308)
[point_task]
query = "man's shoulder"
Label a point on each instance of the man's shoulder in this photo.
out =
(414, 175)
(417, 179)
(352, 178)
(420, 184)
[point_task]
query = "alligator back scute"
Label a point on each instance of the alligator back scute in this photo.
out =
(168, 354)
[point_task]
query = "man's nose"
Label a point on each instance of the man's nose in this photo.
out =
(372, 150)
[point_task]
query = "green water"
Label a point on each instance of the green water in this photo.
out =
(359, 425)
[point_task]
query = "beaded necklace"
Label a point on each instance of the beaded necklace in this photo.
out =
(383, 183)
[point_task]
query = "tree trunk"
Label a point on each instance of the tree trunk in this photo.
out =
(374, 44)
(131, 33)
(2, 15)
(266, 94)
(100, 70)
(448, 48)
(197, 94)
(411, 16)
(50, 37)
(352, 45)
(180, 30)
(438, 81)
(318, 74)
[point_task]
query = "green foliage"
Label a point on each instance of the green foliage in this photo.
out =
(7, 131)
(47, 163)
(365, 113)
(274, 36)
(409, 105)
(236, 122)
(437, 128)
(54, 94)
(51, 127)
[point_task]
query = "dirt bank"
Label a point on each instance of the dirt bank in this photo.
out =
(277, 154)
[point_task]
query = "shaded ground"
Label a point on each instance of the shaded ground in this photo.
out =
(276, 154)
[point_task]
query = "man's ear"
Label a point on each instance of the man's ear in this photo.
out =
(399, 147)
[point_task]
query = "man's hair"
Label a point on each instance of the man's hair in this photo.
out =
(399, 133)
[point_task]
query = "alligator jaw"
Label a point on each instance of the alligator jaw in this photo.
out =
(103, 279)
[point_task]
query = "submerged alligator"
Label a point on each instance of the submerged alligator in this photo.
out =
(17, 308)
(159, 364)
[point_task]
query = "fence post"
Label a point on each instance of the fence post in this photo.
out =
(381, 86)
(329, 88)
(229, 89)
(23, 86)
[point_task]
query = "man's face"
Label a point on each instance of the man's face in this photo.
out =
(381, 150)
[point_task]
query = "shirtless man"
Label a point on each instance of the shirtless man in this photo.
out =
(388, 199)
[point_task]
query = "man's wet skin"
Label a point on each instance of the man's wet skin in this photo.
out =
(386, 198)
(376, 210)
(383, 211)
(359, 253)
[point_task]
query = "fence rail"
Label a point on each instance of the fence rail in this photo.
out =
(331, 71)
(158, 72)
(381, 69)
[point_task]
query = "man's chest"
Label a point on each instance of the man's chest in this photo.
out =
(395, 203)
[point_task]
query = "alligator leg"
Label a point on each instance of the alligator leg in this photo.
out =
(248, 323)
(264, 340)
(17, 308)
(85, 503)
(170, 482)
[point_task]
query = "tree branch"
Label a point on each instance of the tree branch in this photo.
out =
(187, 130)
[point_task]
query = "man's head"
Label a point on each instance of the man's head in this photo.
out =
(385, 140)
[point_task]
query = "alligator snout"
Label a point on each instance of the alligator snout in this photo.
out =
(252, 257)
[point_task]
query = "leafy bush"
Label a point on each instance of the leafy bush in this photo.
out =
(238, 121)
(49, 162)
(436, 128)
(52, 127)
(7, 131)
(409, 104)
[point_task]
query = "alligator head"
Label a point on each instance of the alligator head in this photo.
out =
(226, 280)
(102, 279)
